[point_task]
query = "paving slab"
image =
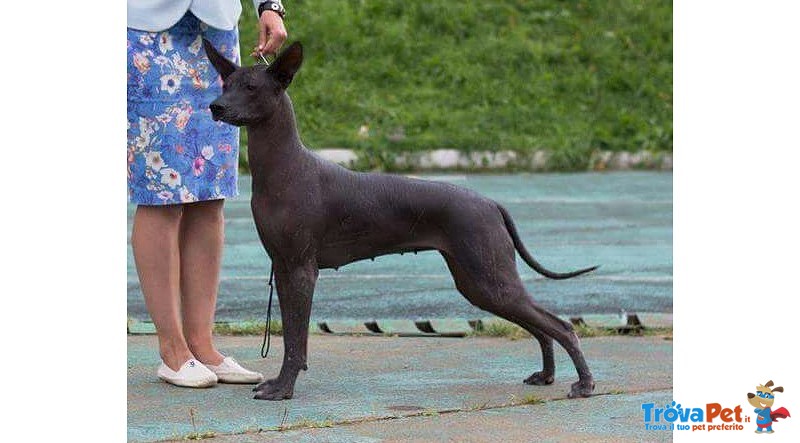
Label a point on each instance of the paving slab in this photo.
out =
(376, 379)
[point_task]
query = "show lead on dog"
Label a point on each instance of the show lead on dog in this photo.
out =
(181, 167)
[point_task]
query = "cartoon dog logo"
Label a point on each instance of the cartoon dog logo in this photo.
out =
(763, 400)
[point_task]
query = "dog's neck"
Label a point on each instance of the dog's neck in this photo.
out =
(273, 145)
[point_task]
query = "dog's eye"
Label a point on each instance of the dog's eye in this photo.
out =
(251, 87)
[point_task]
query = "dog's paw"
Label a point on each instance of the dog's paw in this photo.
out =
(582, 388)
(264, 385)
(274, 390)
(274, 394)
(540, 378)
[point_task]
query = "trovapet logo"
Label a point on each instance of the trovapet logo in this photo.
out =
(712, 417)
(716, 417)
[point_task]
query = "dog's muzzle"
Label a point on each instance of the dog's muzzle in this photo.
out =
(216, 111)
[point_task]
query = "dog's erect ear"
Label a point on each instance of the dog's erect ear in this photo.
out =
(286, 65)
(777, 389)
(224, 66)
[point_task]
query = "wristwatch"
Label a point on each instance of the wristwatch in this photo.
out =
(272, 5)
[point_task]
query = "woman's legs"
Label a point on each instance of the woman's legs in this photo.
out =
(156, 251)
(178, 254)
(202, 233)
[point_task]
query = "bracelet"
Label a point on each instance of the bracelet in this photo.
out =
(272, 5)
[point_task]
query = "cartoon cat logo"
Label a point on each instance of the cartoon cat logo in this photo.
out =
(763, 400)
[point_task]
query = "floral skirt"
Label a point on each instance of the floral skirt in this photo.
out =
(176, 152)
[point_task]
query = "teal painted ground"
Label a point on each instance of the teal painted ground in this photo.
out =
(621, 221)
(377, 379)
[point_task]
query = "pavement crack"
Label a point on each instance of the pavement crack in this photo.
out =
(529, 400)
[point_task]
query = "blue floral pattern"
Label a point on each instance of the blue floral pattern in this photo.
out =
(176, 152)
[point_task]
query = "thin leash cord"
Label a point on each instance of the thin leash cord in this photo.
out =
(266, 342)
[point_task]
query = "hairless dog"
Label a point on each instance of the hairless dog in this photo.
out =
(313, 214)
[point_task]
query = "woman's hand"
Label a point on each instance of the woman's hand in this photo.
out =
(271, 34)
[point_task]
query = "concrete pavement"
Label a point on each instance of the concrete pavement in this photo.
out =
(400, 389)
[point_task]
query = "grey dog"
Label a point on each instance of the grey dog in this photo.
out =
(312, 214)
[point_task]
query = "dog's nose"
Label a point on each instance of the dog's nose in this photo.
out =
(216, 110)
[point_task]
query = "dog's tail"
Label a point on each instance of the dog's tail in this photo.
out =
(527, 256)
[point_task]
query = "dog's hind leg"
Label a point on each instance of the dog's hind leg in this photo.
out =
(547, 375)
(544, 377)
(561, 331)
(488, 278)
(295, 288)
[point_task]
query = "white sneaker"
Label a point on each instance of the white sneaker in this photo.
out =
(230, 372)
(192, 374)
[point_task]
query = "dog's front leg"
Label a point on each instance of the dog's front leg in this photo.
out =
(295, 290)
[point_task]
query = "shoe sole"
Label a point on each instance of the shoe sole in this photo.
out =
(189, 384)
(239, 379)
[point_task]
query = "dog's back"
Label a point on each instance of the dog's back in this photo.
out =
(368, 215)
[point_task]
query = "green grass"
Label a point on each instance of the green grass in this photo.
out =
(303, 423)
(531, 399)
(499, 327)
(567, 76)
(196, 435)
(496, 327)
(248, 328)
